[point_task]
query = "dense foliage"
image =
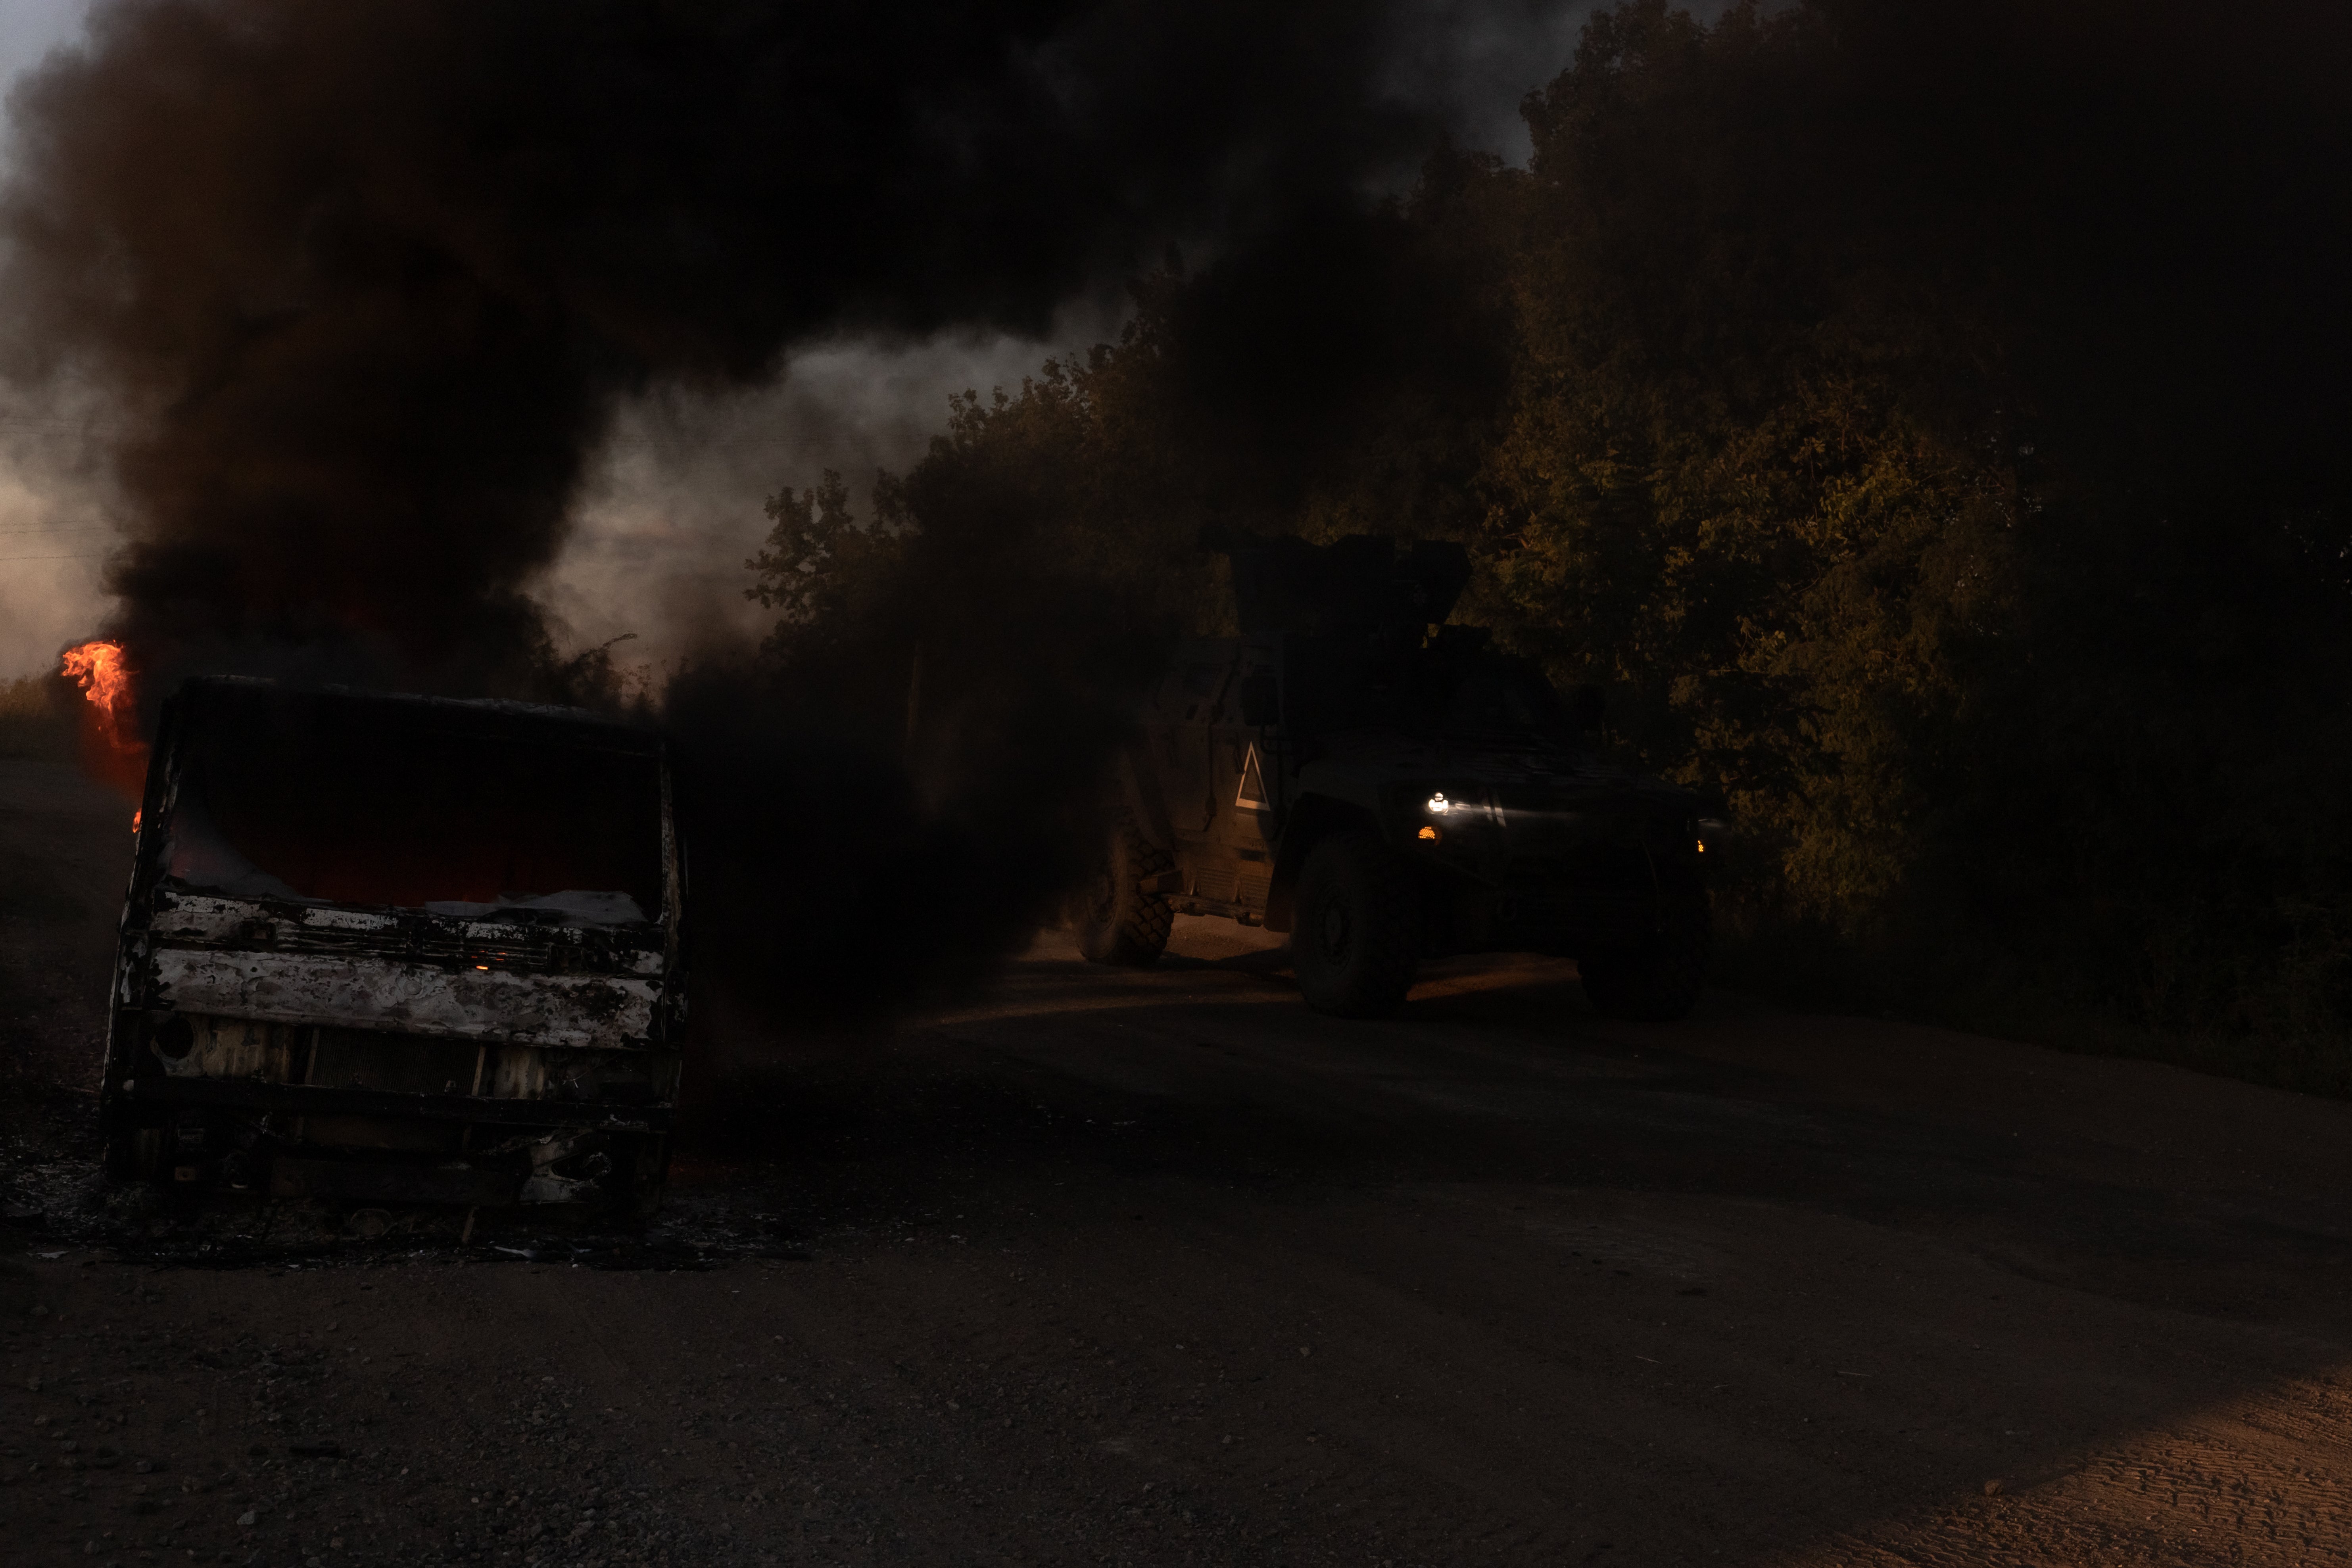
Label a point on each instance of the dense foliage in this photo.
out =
(1927, 420)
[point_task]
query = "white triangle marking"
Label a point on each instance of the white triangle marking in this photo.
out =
(1250, 796)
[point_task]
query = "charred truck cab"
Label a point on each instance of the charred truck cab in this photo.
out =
(1387, 788)
(398, 952)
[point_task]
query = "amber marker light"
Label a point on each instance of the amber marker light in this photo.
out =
(1702, 845)
(1429, 834)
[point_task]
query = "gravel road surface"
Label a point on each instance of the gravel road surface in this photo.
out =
(1161, 1267)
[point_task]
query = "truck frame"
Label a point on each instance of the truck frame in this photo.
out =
(387, 952)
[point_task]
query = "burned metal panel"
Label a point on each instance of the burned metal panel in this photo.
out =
(609, 1011)
(202, 1047)
(298, 1099)
(359, 1058)
(194, 919)
(196, 1046)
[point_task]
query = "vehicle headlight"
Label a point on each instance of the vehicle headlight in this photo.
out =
(1438, 804)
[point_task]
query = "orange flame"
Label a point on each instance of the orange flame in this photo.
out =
(98, 667)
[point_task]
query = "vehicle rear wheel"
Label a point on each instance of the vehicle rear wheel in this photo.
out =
(1656, 978)
(1353, 937)
(135, 1154)
(1116, 921)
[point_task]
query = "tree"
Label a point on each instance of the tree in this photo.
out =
(1923, 414)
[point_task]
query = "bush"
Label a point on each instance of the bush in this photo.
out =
(38, 718)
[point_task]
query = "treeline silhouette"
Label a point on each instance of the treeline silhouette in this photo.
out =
(1928, 421)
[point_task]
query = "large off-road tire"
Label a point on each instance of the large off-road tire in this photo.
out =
(1656, 977)
(1354, 934)
(1116, 920)
(135, 1154)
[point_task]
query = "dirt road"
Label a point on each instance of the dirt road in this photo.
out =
(1162, 1268)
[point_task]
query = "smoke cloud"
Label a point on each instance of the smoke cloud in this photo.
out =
(672, 505)
(365, 281)
(362, 288)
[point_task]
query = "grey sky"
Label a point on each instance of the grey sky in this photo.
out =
(31, 28)
(48, 540)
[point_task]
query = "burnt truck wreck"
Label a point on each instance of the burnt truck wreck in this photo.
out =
(398, 952)
(1387, 788)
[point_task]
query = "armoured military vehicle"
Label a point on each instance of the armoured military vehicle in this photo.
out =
(1387, 788)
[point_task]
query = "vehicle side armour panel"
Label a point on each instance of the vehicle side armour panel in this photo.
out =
(1139, 787)
(1337, 782)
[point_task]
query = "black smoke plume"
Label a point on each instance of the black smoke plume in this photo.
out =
(363, 283)
(366, 278)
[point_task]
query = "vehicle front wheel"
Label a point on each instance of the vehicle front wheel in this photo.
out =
(1656, 978)
(1116, 921)
(1353, 937)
